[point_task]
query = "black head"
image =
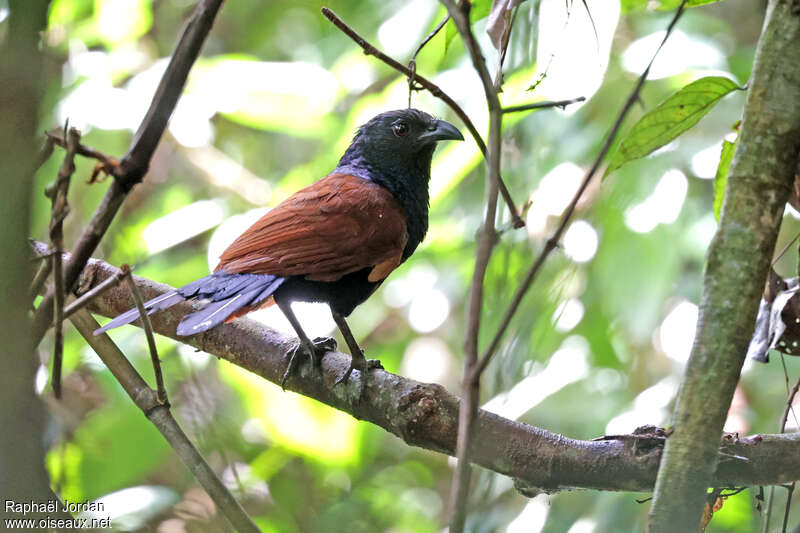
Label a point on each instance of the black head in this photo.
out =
(394, 150)
(405, 131)
(400, 141)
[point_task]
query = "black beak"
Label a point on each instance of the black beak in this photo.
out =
(441, 131)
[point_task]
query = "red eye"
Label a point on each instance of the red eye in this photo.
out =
(400, 129)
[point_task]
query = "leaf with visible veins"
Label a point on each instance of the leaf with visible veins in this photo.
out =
(670, 118)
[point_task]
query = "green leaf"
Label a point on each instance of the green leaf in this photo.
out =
(480, 10)
(672, 117)
(633, 5)
(721, 178)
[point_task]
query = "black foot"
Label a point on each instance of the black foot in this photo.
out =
(358, 362)
(313, 349)
(363, 365)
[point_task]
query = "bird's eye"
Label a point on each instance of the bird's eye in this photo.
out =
(400, 129)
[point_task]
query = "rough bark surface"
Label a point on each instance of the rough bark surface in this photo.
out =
(759, 182)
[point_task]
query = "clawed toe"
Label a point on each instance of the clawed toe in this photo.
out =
(358, 363)
(362, 365)
(323, 345)
(315, 350)
(292, 354)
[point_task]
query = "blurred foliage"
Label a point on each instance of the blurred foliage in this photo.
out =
(597, 345)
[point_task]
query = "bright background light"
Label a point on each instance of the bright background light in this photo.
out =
(580, 241)
(679, 52)
(676, 334)
(662, 207)
(182, 224)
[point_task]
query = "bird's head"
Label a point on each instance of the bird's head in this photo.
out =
(398, 141)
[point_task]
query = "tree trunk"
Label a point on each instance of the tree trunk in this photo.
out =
(760, 178)
(22, 474)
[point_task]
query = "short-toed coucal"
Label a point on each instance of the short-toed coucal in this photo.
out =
(334, 241)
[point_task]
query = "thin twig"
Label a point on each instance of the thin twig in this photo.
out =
(552, 242)
(41, 276)
(790, 489)
(785, 375)
(430, 36)
(543, 105)
(106, 164)
(768, 514)
(459, 490)
(412, 63)
(594, 26)
(158, 413)
(790, 396)
(96, 292)
(148, 332)
(784, 249)
(435, 91)
(789, 405)
(135, 163)
(60, 210)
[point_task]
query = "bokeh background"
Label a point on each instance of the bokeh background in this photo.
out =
(597, 347)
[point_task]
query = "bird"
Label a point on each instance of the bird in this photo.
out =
(335, 241)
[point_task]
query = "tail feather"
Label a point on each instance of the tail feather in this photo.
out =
(232, 286)
(213, 314)
(151, 306)
(223, 293)
(217, 312)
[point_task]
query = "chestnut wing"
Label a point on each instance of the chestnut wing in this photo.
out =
(338, 225)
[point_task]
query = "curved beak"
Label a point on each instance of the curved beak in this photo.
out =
(441, 131)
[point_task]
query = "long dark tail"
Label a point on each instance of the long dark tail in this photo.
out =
(224, 294)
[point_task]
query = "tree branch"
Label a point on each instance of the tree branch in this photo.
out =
(470, 387)
(134, 164)
(760, 180)
(425, 415)
(58, 212)
(159, 414)
(543, 105)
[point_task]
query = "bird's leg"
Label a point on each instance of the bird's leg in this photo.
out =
(314, 349)
(357, 359)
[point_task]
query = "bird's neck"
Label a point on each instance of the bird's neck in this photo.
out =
(407, 180)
